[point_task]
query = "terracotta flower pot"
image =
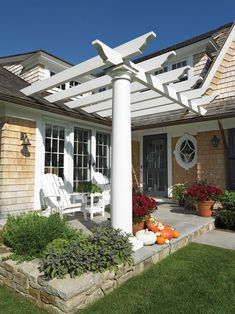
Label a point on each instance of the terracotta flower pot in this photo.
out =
(205, 208)
(137, 226)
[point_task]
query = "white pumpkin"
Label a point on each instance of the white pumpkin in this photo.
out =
(148, 237)
(160, 226)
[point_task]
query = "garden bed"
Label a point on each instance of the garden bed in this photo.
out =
(70, 294)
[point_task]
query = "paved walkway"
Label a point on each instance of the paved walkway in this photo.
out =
(219, 238)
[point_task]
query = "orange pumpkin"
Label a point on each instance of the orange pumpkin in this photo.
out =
(167, 233)
(152, 227)
(176, 233)
(160, 240)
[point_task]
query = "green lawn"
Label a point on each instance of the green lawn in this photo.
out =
(12, 303)
(197, 279)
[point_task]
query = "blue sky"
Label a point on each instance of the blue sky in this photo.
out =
(67, 28)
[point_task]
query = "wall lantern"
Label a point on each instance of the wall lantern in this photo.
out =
(215, 141)
(25, 140)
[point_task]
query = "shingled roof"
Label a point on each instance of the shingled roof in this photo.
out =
(10, 86)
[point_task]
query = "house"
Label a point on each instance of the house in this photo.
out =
(167, 148)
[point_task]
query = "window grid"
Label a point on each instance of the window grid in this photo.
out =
(81, 156)
(103, 153)
(54, 150)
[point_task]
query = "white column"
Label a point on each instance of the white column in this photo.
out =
(121, 151)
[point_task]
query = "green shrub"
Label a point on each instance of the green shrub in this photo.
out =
(178, 192)
(228, 200)
(226, 218)
(88, 187)
(29, 234)
(105, 249)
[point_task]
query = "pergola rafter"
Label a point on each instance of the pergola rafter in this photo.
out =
(131, 91)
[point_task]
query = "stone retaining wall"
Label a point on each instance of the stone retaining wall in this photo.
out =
(69, 295)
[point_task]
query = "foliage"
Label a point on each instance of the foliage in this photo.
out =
(105, 249)
(203, 192)
(228, 201)
(88, 187)
(142, 205)
(178, 192)
(226, 218)
(29, 234)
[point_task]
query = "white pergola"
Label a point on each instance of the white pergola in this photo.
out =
(135, 92)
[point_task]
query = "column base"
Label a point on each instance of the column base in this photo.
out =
(137, 244)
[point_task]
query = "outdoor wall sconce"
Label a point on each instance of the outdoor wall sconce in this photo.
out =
(25, 140)
(215, 141)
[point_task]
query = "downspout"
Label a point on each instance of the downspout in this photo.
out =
(225, 144)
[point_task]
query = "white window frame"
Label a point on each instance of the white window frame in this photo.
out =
(178, 158)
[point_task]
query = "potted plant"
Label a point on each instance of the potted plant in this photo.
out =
(142, 207)
(205, 197)
(88, 187)
(178, 192)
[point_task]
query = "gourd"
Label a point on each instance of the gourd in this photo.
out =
(152, 224)
(176, 233)
(148, 237)
(160, 240)
(167, 233)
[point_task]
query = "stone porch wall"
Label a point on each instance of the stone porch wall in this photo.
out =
(210, 164)
(69, 295)
(17, 166)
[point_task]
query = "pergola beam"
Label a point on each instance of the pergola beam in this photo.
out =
(169, 77)
(127, 50)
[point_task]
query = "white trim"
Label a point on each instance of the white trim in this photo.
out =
(220, 57)
(141, 163)
(185, 137)
(68, 157)
(169, 165)
(93, 152)
(39, 162)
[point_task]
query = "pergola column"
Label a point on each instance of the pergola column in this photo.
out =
(121, 150)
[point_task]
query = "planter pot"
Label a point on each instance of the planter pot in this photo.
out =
(205, 208)
(137, 226)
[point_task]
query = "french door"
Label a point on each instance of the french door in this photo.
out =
(155, 164)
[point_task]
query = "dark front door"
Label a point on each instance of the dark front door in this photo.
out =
(231, 159)
(155, 164)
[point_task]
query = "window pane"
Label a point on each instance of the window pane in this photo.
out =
(55, 132)
(48, 130)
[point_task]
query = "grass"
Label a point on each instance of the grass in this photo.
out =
(12, 303)
(196, 279)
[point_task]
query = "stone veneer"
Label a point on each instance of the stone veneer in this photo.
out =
(68, 295)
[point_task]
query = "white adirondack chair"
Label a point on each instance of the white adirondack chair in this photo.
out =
(57, 199)
(103, 182)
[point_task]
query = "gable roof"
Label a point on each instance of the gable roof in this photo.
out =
(222, 30)
(22, 56)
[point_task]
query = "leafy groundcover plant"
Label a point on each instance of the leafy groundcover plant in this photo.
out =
(226, 215)
(28, 234)
(63, 250)
(105, 249)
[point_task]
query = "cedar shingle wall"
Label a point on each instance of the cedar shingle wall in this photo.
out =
(201, 64)
(210, 162)
(179, 174)
(224, 78)
(32, 75)
(17, 167)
